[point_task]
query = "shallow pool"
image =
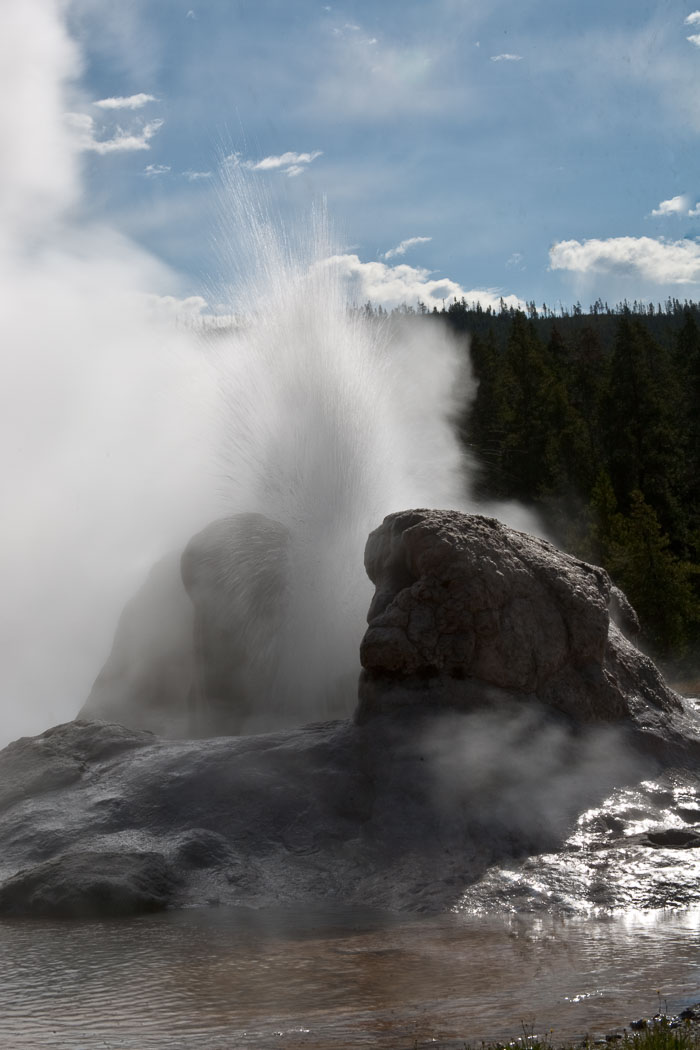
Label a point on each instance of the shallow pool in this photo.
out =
(229, 978)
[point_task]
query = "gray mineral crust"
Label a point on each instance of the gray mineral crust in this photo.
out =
(500, 711)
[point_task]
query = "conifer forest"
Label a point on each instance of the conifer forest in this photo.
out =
(592, 420)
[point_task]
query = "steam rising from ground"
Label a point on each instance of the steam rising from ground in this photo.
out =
(517, 772)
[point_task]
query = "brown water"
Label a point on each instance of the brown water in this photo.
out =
(224, 979)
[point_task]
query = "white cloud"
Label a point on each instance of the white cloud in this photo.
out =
(506, 57)
(391, 286)
(130, 102)
(660, 261)
(694, 38)
(152, 170)
(285, 160)
(694, 213)
(122, 140)
(194, 176)
(190, 14)
(403, 247)
(673, 206)
(693, 19)
(289, 163)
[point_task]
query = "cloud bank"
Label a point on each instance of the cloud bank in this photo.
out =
(659, 261)
(391, 286)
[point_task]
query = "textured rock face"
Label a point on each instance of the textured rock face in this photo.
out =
(401, 813)
(91, 884)
(235, 574)
(111, 822)
(467, 611)
(146, 681)
(195, 649)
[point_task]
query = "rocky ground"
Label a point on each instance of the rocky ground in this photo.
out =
(500, 709)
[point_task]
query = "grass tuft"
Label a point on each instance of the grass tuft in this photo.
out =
(662, 1032)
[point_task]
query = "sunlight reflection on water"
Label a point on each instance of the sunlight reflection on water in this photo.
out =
(233, 978)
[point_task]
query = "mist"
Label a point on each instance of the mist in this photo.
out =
(124, 432)
(104, 452)
(522, 775)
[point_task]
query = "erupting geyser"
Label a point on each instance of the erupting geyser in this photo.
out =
(329, 420)
(498, 702)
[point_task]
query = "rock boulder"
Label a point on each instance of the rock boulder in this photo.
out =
(468, 612)
(499, 704)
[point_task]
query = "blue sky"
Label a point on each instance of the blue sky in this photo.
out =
(538, 150)
(491, 132)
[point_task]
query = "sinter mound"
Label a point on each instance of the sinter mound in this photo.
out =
(498, 702)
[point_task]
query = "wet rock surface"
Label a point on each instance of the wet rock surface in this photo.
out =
(639, 849)
(512, 749)
(90, 884)
(328, 811)
(421, 818)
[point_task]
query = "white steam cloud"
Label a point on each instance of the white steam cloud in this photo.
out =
(98, 471)
(521, 773)
(38, 176)
(331, 421)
